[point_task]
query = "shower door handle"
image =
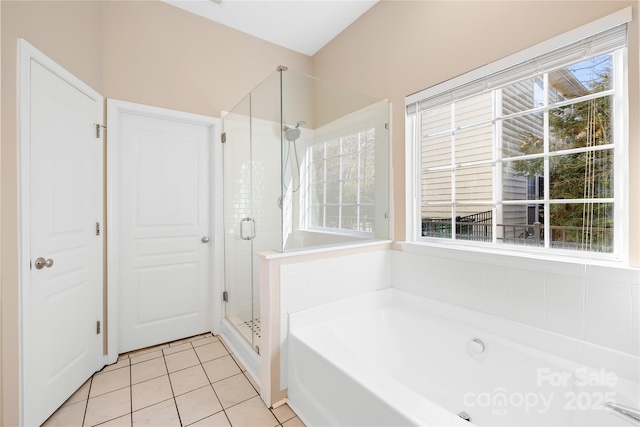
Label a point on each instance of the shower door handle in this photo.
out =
(253, 228)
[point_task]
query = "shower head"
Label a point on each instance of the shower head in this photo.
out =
(293, 133)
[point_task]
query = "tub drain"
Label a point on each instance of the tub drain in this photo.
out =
(465, 416)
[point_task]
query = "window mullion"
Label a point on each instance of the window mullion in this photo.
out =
(340, 182)
(453, 171)
(621, 162)
(324, 186)
(497, 167)
(359, 181)
(547, 176)
(416, 194)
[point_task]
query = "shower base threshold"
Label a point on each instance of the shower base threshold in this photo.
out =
(250, 329)
(241, 347)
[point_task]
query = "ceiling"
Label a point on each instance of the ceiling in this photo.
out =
(304, 26)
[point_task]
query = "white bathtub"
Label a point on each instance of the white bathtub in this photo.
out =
(391, 358)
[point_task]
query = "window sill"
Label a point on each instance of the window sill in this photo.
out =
(269, 255)
(511, 257)
(339, 232)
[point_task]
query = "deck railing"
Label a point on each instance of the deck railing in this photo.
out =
(476, 226)
(479, 227)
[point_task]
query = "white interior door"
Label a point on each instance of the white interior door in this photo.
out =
(62, 193)
(161, 189)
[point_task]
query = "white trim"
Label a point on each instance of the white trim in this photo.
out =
(507, 258)
(412, 178)
(323, 249)
(610, 21)
(26, 54)
(621, 157)
(217, 228)
(243, 351)
(114, 109)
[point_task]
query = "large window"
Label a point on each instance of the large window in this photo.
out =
(530, 155)
(342, 183)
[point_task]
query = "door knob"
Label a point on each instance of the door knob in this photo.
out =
(41, 263)
(205, 239)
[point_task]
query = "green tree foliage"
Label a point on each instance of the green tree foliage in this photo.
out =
(577, 175)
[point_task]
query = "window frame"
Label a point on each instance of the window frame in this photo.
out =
(347, 132)
(374, 116)
(413, 165)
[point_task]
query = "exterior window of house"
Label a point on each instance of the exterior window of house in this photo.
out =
(538, 93)
(341, 184)
(527, 157)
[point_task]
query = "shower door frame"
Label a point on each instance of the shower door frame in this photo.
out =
(246, 231)
(233, 337)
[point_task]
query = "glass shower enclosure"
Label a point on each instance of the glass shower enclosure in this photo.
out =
(306, 165)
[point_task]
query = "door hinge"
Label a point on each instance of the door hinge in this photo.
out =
(225, 296)
(98, 327)
(97, 228)
(223, 137)
(99, 128)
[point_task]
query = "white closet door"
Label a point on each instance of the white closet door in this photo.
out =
(62, 203)
(162, 222)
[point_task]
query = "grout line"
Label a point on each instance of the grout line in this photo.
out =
(225, 347)
(173, 394)
(225, 414)
(86, 406)
(175, 352)
(252, 397)
(236, 362)
(173, 397)
(211, 384)
(274, 414)
(247, 376)
(175, 404)
(110, 391)
(208, 416)
(130, 392)
(150, 405)
(198, 357)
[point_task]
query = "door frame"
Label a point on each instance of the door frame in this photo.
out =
(26, 54)
(114, 109)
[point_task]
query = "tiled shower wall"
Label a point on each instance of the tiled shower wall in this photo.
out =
(595, 303)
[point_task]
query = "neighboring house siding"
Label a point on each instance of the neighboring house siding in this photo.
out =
(471, 145)
(476, 144)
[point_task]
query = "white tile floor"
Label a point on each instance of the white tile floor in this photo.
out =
(191, 382)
